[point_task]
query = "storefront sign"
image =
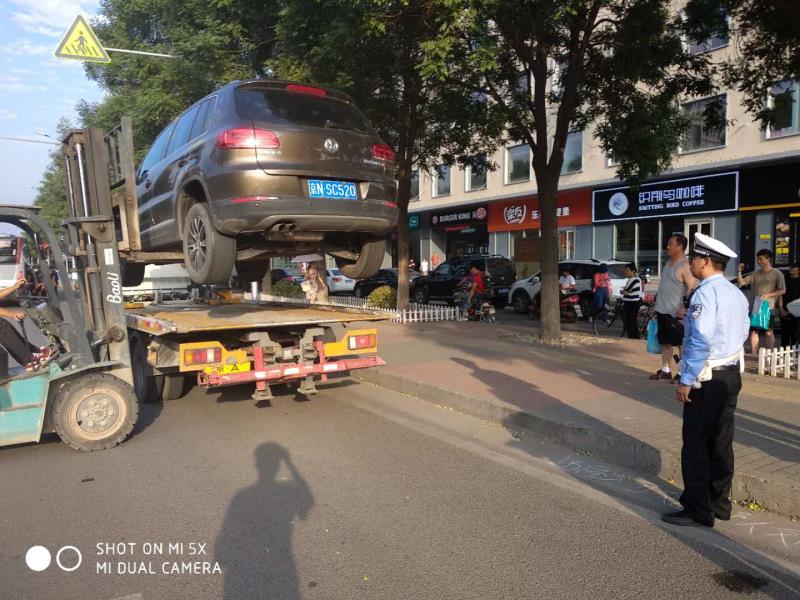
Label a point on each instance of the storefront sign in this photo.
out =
(413, 221)
(574, 208)
(460, 216)
(693, 195)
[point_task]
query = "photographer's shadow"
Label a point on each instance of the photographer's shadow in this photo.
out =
(254, 547)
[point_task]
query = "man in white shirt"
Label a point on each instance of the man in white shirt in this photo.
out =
(566, 283)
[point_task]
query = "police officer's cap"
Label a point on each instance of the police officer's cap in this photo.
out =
(705, 245)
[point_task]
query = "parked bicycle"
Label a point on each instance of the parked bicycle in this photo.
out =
(611, 319)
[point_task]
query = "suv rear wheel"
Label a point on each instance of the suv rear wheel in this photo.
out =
(421, 295)
(208, 255)
(369, 261)
(521, 301)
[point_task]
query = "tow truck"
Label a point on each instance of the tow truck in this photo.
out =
(110, 353)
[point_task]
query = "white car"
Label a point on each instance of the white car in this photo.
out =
(338, 283)
(524, 291)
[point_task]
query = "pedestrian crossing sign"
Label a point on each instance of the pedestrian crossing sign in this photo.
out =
(80, 43)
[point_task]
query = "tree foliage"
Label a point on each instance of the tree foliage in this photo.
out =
(51, 195)
(615, 69)
(766, 38)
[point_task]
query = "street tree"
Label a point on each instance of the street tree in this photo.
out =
(615, 69)
(51, 195)
(373, 50)
(766, 37)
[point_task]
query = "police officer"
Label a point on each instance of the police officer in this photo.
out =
(716, 326)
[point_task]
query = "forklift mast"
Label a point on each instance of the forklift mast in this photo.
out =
(92, 245)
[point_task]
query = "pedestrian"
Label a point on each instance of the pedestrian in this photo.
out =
(717, 323)
(566, 283)
(632, 301)
(674, 287)
(768, 284)
(411, 264)
(314, 284)
(601, 286)
(423, 266)
(790, 324)
(476, 290)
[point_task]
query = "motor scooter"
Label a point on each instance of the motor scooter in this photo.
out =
(569, 307)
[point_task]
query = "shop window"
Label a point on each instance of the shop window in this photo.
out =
(784, 102)
(648, 248)
(518, 163)
(441, 181)
(415, 184)
(476, 175)
(625, 241)
(573, 153)
(704, 131)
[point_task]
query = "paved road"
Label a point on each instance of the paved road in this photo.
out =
(358, 493)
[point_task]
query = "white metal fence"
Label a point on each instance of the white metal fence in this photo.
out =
(415, 313)
(783, 362)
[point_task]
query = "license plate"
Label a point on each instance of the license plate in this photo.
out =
(501, 291)
(336, 190)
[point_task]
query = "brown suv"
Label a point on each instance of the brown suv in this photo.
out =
(267, 168)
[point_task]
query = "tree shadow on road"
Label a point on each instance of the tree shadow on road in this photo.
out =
(254, 547)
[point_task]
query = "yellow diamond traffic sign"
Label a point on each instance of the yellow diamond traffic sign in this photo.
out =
(80, 43)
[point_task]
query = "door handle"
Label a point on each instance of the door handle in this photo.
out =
(148, 183)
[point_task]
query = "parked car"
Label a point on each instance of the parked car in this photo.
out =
(365, 287)
(286, 274)
(441, 284)
(338, 283)
(267, 168)
(525, 291)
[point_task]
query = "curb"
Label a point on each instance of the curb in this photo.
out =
(778, 497)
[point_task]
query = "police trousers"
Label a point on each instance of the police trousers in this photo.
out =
(707, 453)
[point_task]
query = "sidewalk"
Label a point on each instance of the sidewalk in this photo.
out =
(595, 399)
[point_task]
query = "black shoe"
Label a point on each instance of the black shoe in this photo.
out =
(685, 518)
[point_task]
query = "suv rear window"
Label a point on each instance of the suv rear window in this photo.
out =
(616, 271)
(501, 268)
(288, 108)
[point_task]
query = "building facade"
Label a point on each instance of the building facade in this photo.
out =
(740, 184)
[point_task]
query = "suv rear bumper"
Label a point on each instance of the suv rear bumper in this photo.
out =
(373, 217)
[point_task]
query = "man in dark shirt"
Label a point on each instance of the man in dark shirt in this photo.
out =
(790, 325)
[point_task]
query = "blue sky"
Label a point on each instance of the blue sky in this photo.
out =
(36, 89)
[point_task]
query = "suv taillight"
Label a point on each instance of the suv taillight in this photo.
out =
(382, 152)
(305, 89)
(248, 137)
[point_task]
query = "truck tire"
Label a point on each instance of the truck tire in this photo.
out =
(132, 273)
(175, 387)
(94, 411)
(146, 385)
(209, 256)
(370, 259)
(251, 270)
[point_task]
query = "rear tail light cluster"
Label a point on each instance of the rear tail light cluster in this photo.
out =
(305, 89)
(205, 356)
(337, 279)
(248, 138)
(358, 342)
(382, 152)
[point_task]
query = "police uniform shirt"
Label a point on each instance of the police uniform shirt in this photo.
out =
(716, 325)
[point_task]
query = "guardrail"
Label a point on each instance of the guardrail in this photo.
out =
(415, 313)
(780, 360)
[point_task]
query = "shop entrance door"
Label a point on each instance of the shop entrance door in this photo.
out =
(690, 227)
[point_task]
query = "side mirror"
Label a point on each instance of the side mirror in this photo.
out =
(535, 280)
(140, 177)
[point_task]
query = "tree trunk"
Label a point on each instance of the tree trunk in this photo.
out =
(550, 296)
(403, 197)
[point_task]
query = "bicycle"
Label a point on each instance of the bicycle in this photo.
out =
(609, 319)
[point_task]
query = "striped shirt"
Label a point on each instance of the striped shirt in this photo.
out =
(632, 292)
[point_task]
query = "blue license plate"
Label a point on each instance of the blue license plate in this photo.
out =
(337, 190)
(502, 291)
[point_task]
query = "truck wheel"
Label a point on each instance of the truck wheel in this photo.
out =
(421, 295)
(146, 385)
(95, 411)
(175, 387)
(209, 256)
(369, 261)
(251, 270)
(132, 273)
